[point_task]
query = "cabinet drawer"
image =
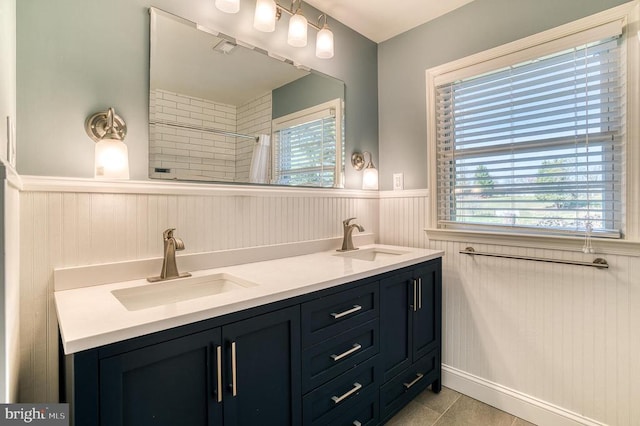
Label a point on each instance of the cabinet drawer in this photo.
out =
(341, 394)
(328, 359)
(406, 385)
(364, 414)
(324, 318)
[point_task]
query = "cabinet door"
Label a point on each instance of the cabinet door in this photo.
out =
(426, 318)
(170, 383)
(262, 357)
(396, 307)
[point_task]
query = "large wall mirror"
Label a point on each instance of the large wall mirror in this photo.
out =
(222, 111)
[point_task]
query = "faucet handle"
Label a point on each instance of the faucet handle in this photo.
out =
(168, 233)
(346, 221)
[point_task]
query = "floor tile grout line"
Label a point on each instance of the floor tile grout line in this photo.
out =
(448, 408)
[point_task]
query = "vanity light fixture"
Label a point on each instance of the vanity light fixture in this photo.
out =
(264, 18)
(228, 6)
(324, 40)
(297, 29)
(267, 12)
(370, 174)
(111, 155)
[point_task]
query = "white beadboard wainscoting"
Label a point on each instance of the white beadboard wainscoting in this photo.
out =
(73, 222)
(553, 344)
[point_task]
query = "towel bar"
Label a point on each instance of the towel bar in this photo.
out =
(599, 262)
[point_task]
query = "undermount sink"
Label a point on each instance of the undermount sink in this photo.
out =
(178, 290)
(371, 254)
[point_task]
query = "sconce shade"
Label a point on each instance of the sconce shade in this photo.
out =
(297, 30)
(228, 6)
(264, 18)
(324, 43)
(111, 159)
(370, 177)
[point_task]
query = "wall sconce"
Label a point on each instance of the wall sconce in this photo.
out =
(370, 175)
(266, 14)
(111, 155)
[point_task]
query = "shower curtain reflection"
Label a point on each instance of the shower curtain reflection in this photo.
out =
(259, 172)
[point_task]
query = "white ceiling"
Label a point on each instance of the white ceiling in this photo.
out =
(183, 61)
(380, 20)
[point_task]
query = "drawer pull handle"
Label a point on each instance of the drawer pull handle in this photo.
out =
(338, 399)
(419, 293)
(355, 308)
(219, 371)
(416, 380)
(234, 377)
(356, 423)
(356, 347)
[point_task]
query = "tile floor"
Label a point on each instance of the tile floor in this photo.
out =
(450, 408)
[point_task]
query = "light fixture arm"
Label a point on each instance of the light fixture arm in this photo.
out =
(325, 21)
(358, 160)
(105, 123)
(291, 12)
(295, 10)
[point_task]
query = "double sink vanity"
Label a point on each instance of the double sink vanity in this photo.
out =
(324, 338)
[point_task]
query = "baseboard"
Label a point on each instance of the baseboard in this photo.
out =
(524, 406)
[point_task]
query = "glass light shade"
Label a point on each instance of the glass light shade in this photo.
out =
(228, 6)
(265, 17)
(111, 159)
(297, 31)
(324, 44)
(370, 178)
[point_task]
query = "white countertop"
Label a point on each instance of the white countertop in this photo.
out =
(91, 316)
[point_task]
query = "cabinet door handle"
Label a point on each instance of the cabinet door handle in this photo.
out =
(355, 308)
(416, 380)
(415, 295)
(234, 378)
(219, 371)
(420, 293)
(356, 347)
(338, 399)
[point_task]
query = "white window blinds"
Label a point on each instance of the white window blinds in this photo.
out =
(536, 145)
(307, 148)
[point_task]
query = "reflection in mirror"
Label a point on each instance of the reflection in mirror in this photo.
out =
(225, 112)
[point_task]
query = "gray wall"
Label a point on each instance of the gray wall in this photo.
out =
(403, 60)
(76, 57)
(305, 92)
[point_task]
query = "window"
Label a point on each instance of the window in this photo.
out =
(534, 140)
(308, 147)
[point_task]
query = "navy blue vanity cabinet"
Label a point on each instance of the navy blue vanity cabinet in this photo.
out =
(263, 361)
(340, 362)
(238, 374)
(168, 383)
(410, 332)
(352, 354)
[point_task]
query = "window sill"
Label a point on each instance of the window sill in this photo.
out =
(601, 246)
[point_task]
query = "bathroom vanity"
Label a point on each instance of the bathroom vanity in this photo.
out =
(352, 343)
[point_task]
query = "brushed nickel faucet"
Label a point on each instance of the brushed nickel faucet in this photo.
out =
(169, 269)
(347, 240)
